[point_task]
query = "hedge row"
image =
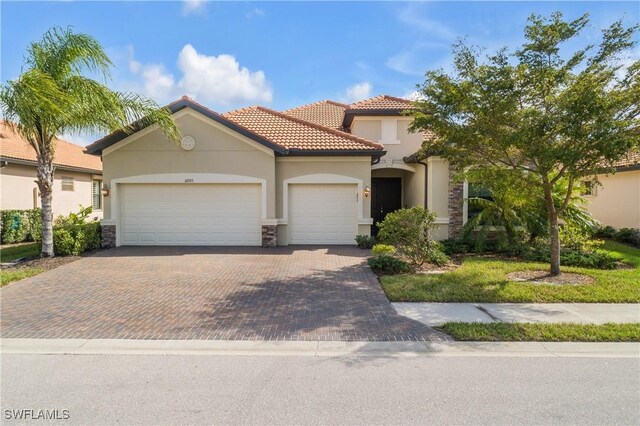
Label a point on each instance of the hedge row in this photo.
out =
(20, 225)
(68, 240)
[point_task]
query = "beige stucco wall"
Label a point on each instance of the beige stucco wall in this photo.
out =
(217, 150)
(17, 185)
(371, 128)
(617, 202)
(352, 167)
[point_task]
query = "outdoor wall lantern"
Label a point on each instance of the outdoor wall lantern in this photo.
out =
(367, 191)
(105, 190)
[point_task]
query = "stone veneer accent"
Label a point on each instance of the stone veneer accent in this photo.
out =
(456, 203)
(108, 236)
(269, 236)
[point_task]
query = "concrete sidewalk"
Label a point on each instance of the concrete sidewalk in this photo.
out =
(318, 348)
(435, 314)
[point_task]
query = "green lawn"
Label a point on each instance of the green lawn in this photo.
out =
(11, 253)
(13, 274)
(529, 332)
(483, 280)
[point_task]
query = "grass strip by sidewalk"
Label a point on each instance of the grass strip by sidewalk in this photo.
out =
(542, 332)
(10, 275)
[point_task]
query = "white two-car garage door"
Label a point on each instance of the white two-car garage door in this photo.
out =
(323, 214)
(190, 214)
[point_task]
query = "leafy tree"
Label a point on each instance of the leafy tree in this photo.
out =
(537, 113)
(55, 96)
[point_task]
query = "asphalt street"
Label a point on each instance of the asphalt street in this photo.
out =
(179, 389)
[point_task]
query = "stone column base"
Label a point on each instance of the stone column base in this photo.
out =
(108, 236)
(456, 203)
(269, 236)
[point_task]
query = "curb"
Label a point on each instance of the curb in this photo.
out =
(317, 348)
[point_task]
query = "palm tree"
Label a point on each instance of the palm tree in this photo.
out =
(55, 95)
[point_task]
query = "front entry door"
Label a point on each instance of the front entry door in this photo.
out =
(386, 197)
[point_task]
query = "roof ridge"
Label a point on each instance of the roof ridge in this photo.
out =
(325, 101)
(235, 111)
(377, 97)
(321, 128)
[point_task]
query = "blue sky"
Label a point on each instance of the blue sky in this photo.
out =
(282, 54)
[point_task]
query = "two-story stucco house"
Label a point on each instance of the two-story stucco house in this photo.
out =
(317, 174)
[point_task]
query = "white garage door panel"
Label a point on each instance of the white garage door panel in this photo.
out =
(322, 214)
(215, 214)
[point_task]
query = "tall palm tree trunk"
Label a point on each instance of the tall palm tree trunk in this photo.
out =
(45, 185)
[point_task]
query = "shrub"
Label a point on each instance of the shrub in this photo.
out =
(436, 254)
(538, 251)
(380, 249)
(20, 225)
(34, 218)
(365, 241)
(73, 240)
(628, 236)
(410, 231)
(74, 218)
(453, 246)
(575, 238)
(606, 232)
(14, 226)
(594, 260)
(388, 265)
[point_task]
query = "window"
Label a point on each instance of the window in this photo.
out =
(476, 191)
(67, 183)
(589, 188)
(389, 132)
(96, 194)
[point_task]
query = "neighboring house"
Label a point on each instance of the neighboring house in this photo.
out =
(318, 174)
(77, 177)
(616, 201)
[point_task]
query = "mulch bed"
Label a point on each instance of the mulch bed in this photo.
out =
(543, 277)
(44, 263)
(47, 263)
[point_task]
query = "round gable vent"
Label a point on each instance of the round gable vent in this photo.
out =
(187, 143)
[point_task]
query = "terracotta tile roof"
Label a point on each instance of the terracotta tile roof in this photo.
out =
(632, 159)
(68, 154)
(383, 102)
(295, 134)
(325, 113)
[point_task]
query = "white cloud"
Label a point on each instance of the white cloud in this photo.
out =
(357, 92)
(218, 81)
(416, 59)
(414, 95)
(255, 13)
(413, 17)
(220, 78)
(190, 7)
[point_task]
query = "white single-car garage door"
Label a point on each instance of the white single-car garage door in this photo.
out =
(323, 214)
(190, 214)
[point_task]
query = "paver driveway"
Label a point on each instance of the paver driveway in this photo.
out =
(300, 293)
